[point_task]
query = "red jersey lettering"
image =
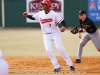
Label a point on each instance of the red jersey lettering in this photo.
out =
(46, 20)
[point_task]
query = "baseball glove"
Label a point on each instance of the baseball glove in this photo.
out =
(75, 30)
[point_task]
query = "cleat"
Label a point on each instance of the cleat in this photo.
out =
(56, 70)
(77, 61)
(72, 68)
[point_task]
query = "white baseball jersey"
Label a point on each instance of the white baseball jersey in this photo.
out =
(49, 22)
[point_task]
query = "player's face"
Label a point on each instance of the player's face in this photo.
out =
(44, 6)
(82, 16)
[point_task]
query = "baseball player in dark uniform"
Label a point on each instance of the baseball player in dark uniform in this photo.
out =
(87, 25)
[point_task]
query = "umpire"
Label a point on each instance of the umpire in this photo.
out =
(87, 25)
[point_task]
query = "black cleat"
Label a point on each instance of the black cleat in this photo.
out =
(72, 68)
(77, 61)
(56, 70)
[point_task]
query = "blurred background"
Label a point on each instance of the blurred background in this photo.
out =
(11, 11)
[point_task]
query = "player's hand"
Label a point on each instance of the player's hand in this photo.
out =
(62, 29)
(84, 30)
(25, 14)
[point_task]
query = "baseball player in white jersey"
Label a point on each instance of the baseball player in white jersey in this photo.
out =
(49, 20)
(3, 65)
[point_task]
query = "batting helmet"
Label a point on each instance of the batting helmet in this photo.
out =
(47, 2)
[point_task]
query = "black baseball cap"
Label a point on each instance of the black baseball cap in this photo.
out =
(82, 12)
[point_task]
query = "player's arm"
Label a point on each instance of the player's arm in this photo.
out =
(63, 23)
(79, 33)
(62, 29)
(28, 16)
(80, 30)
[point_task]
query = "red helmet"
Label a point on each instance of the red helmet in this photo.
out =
(47, 2)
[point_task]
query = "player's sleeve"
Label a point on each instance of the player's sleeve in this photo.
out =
(63, 23)
(58, 18)
(36, 16)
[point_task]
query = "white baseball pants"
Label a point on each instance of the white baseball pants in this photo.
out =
(56, 38)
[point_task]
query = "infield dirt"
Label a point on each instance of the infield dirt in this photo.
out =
(43, 64)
